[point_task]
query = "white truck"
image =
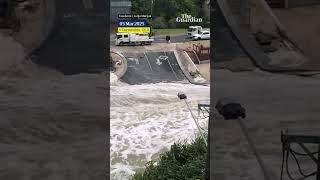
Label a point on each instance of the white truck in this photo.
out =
(193, 30)
(133, 38)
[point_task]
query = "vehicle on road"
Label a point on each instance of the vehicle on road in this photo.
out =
(193, 30)
(202, 35)
(133, 38)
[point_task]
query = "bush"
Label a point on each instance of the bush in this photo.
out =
(183, 161)
(172, 23)
(159, 23)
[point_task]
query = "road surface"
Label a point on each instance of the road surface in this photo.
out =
(162, 39)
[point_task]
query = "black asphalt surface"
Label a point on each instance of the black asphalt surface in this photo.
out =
(173, 39)
(75, 44)
(152, 67)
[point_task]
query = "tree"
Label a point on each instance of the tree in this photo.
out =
(168, 9)
(141, 7)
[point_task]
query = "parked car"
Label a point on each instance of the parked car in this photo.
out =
(202, 35)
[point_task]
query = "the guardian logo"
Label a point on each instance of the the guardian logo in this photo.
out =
(188, 18)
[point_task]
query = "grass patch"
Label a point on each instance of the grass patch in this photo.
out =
(169, 31)
(182, 161)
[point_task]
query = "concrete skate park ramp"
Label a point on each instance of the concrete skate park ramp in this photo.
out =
(152, 67)
(233, 40)
(70, 36)
(303, 27)
(237, 40)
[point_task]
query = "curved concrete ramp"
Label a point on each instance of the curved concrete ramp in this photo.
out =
(75, 43)
(152, 67)
(247, 42)
(243, 36)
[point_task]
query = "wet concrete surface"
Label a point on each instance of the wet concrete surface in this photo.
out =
(274, 102)
(303, 28)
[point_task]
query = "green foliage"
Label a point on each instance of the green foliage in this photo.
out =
(141, 7)
(159, 23)
(169, 31)
(183, 161)
(168, 10)
(172, 23)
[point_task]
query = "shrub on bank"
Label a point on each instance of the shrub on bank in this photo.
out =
(182, 161)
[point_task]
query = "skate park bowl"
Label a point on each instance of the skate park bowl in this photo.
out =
(120, 63)
(64, 35)
(268, 36)
(151, 67)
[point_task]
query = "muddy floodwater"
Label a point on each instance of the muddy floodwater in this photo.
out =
(52, 126)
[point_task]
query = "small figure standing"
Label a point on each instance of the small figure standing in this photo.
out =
(168, 39)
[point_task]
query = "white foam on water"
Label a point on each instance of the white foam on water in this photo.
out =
(122, 172)
(199, 79)
(147, 119)
(113, 79)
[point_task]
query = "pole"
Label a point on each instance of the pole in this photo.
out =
(151, 18)
(254, 149)
(198, 126)
(151, 7)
